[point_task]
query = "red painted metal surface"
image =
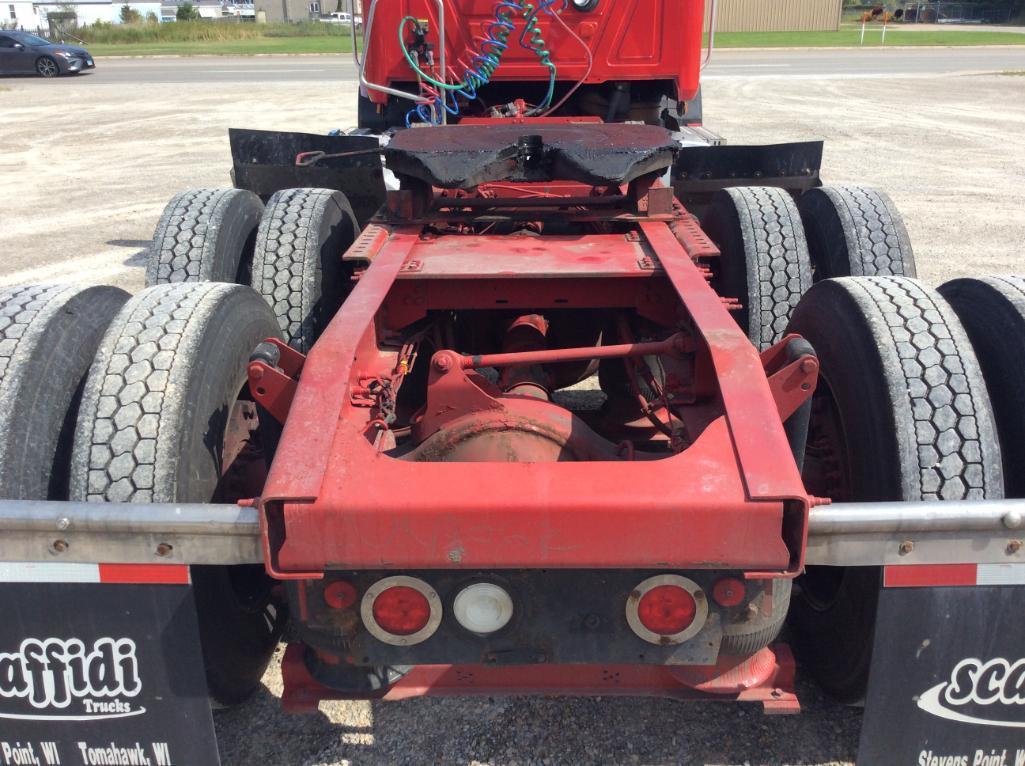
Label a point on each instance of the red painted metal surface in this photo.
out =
(767, 678)
(156, 574)
(930, 575)
(334, 500)
(640, 40)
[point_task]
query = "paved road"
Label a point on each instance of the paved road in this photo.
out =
(833, 63)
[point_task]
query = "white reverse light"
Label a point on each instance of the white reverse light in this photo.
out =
(483, 608)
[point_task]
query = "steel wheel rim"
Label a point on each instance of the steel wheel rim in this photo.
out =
(822, 586)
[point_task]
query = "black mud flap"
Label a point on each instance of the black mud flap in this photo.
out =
(701, 171)
(102, 665)
(263, 161)
(947, 685)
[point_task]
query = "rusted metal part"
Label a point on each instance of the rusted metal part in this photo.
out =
(690, 235)
(243, 462)
(719, 512)
(469, 420)
(766, 678)
(527, 332)
(792, 382)
(677, 344)
(367, 244)
(465, 156)
(650, 196)
(274, 386)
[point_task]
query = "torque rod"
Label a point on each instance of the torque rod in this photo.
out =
(674, 344)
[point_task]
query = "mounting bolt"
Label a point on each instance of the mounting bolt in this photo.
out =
(442, 364)
(59, 546)
(906, 547)
(1013, 547)
(63, 523)
(164, 549)
(1013, 519)
(808, 366)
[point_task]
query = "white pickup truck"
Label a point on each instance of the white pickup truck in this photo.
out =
(340, 17)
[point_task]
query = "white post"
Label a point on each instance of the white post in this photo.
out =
(883, 40)
(862, 32)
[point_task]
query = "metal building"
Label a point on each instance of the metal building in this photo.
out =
(777, 15)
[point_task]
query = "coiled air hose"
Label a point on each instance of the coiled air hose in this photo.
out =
(486, 60)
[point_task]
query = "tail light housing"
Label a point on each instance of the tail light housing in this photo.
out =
(667, 609)
(401, 611)
(483, 608)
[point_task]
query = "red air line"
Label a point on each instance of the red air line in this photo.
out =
(675, 344)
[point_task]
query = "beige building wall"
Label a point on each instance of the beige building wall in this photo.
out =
(776, 15)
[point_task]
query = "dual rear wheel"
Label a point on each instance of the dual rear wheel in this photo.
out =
(773, 248)
(902, 412)
(289, 251)
(914, 391)
(109, 398)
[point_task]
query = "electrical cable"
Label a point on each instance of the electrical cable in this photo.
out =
(590, 65)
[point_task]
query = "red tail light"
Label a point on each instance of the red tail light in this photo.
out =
(729, 591)
(401, 611)
(667, 609)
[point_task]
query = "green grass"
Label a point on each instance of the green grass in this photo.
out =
(233, 39)
(251, 47)
(206, 37)
(852, 37)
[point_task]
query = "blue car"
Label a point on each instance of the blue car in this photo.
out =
(24, 53)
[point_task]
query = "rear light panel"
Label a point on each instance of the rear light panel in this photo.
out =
(525, 616)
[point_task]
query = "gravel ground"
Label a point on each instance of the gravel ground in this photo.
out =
(86, 172)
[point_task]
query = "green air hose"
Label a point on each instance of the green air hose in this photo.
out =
(487, 60)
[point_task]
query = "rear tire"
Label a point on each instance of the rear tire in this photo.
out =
(169, 374)
(764, 262)
(855, 231)
(205, 235)
(993, 313)
(48, 336)
(901, 412)
(297, 266)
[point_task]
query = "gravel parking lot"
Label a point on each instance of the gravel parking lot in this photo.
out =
(86, 172)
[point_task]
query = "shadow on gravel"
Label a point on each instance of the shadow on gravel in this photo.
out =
(136, 259)
(539, 732)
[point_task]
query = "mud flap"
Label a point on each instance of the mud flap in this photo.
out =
(101, 664)
(700, 171)
(947, 684)
(263, 161)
